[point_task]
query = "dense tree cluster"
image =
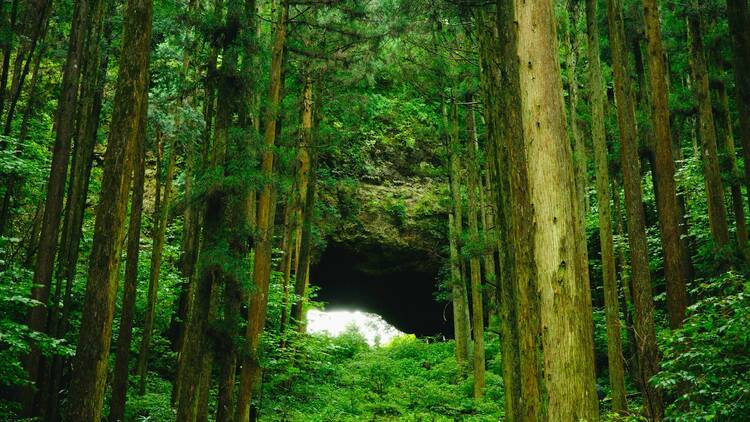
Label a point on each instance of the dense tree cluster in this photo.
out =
(171, 170)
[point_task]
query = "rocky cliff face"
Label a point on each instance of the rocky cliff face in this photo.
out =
(395, 213)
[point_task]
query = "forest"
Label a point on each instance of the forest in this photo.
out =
(538, 206)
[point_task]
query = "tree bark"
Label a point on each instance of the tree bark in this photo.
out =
(306, 181)
(125, 336)
(559, 256)
(250, 373)
(726, 133)
(717, 211)
(65, 126)
(92, 353)
(666, 190)
(461, 321)
(598, 134)
(643, 302)
(580, 159)
(187, 375)
(477, 290)
(500, 83)
(738, 17)
(161, 212)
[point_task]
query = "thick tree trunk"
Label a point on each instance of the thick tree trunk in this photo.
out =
(717, 211)
(477, 291)
(643, 302)
(666, 190)
(498, 90)
(92, 353)
(611, 305)
(186, 375)
(250, 373)
(83, 19)
(559, 256)
(125, 336)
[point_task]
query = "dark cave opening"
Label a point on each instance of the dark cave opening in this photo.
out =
(397, 284)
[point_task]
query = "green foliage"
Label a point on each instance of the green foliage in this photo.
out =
(706, 366)
(153, 406)
(397, 210)
(16, 338)
(343, 379)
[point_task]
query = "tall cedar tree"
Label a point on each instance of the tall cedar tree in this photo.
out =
(477, 288)
(494, 97)
(612, 309)
(717, 211)
(559, 256)
(669, 213)
(130, 289)
(85, 19)
(89, 376)
(256, 313)
(642, 297)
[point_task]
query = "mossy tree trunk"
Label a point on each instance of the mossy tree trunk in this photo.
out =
(256, 314)
(612, 308)
(496, 43)
(666, 190)
(92, 352)
(306, 182)
(125, 336)
(159, 229)
(717, 211)
(85, 19)
(477, 288)
(643, 302)
(724, 125)
(738, 17)
(461, 323)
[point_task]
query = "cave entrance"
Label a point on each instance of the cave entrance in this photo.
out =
(398, 284)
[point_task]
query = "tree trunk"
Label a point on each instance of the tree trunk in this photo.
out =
(735, 188)
(250, 374)
(643, 302)
(35, 28)
(306, 182)
(717, 212)
(739, 27)
(83, 19)
(461, 322)
(499, 83)
(598, 134)
(666, 190)
(125, 336)
(489, 245)
(7, 47)
(185, 375)
(477, 292)
(580, 159)
(33, 104)
(161, 212)
(92, 353)
(559, 256)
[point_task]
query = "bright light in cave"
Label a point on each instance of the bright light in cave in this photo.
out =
(373, 327)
